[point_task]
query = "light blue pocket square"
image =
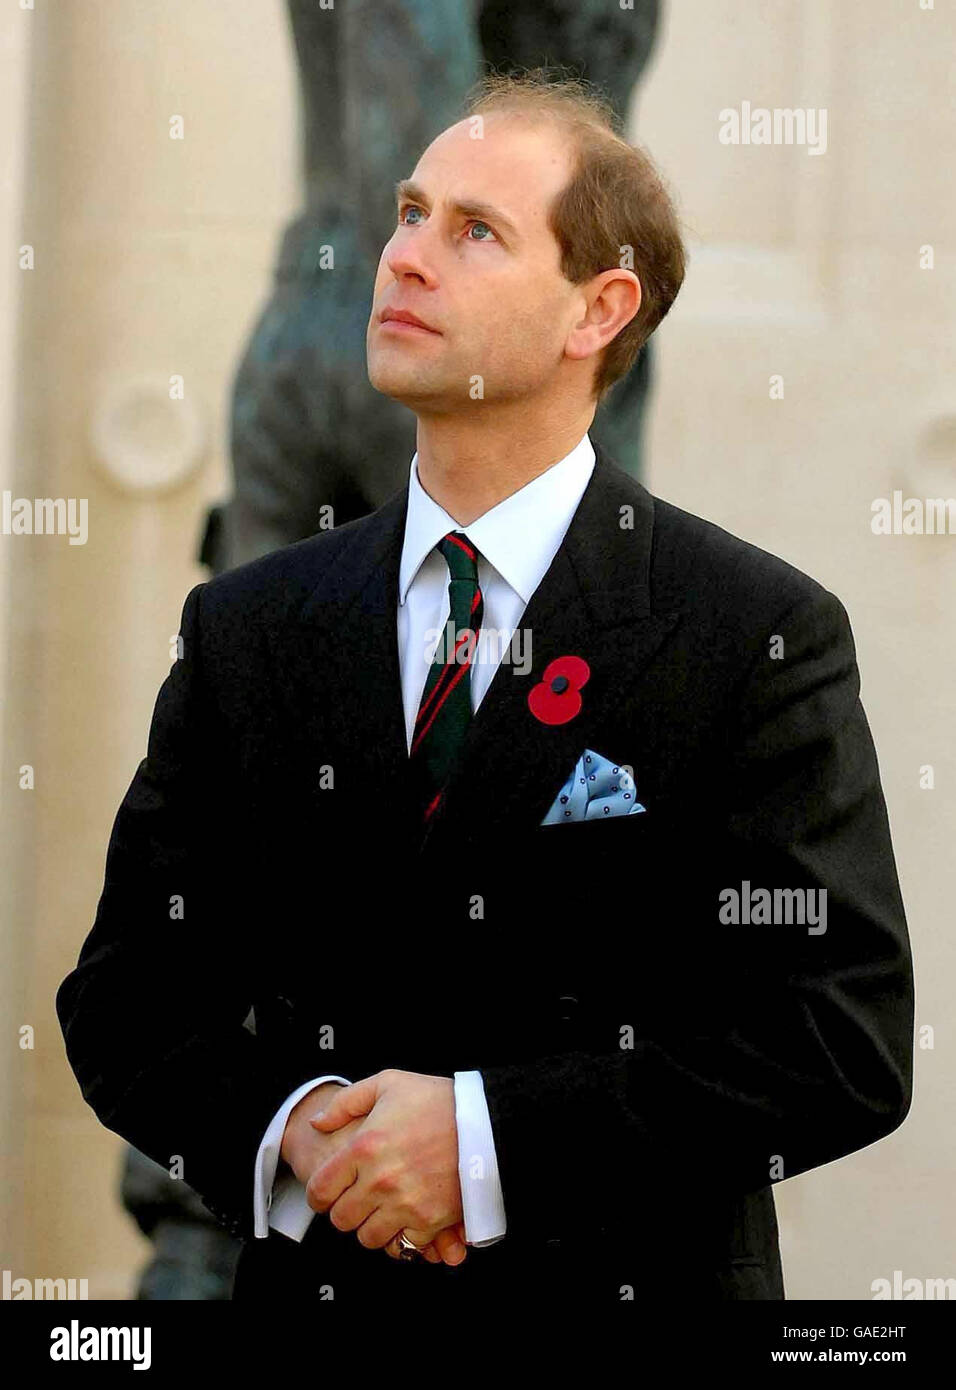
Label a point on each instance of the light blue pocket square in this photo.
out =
(596, 789)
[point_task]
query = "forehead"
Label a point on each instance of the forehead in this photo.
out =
(517, 164)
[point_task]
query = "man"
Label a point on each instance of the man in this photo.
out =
(441, 1002)
(306, 429)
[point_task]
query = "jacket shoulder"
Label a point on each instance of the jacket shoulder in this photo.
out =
(277, 584)
(710, 567)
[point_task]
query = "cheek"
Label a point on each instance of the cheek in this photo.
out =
(535, 323)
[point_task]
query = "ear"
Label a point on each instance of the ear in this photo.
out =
(612, 300)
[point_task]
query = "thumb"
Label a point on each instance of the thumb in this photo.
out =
(348, 1104)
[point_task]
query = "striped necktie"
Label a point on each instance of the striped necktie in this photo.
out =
(445, 710)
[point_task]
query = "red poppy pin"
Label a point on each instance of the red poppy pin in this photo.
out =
(557, 696)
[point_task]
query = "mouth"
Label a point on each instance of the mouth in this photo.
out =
(401, 321)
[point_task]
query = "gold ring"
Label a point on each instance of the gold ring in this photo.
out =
(406, 1250)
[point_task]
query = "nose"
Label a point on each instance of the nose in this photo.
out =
(408, 253)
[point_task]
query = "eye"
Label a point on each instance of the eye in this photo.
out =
(487, 229)
(407, 207)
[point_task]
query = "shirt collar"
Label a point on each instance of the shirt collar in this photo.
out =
(520, 535)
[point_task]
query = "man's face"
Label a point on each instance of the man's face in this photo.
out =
(472, 257)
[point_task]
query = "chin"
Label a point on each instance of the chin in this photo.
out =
(402, 383)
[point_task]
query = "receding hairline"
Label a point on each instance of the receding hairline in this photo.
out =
(586, 126)
(591, 127)
(538, 91)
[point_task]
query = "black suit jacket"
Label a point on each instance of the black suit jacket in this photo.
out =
(649, 1069)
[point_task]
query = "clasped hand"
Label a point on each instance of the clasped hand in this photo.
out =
(383, 1158)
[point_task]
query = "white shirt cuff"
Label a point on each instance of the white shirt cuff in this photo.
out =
(482, 1200)
(282, 1206)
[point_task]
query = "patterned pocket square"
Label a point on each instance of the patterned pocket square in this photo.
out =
(597, 788)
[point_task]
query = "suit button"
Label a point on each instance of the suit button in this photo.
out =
(568, 1005)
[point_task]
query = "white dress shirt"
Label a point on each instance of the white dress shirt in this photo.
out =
(516, 540)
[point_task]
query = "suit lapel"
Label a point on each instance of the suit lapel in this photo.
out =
(594, 602)
(358, 662)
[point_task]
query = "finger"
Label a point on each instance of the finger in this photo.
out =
(377, 1230)
(347, 1104)
(330, 1180)
(446, 1242)
(450, 1248)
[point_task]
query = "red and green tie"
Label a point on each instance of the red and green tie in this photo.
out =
(445, 710)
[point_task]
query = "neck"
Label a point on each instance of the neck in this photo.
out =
(469, 465)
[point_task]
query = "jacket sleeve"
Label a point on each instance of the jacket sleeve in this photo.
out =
(788, 1048)
(154, 1015)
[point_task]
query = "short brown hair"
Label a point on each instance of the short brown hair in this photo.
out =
(615, 201)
